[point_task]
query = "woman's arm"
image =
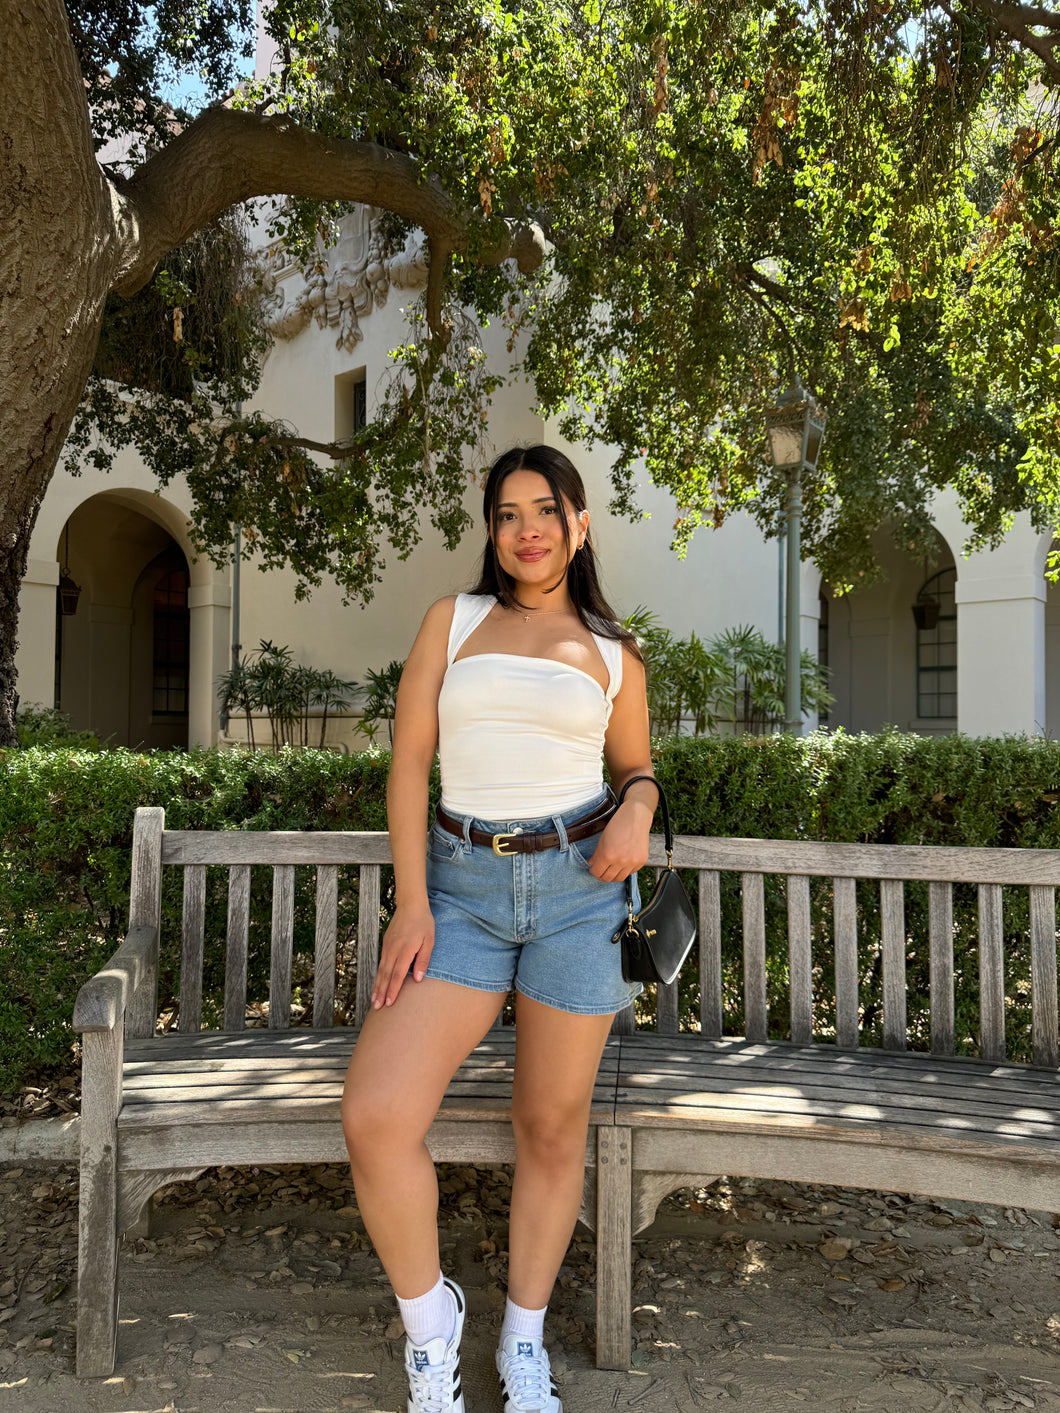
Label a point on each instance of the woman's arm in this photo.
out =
(623, 846)
(411, 931)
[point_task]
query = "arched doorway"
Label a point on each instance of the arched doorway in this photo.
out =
(885, 668)
(123, 658)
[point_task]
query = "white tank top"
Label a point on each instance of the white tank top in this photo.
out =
(520, 737)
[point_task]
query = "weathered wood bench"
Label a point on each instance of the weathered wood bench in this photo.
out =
(670, 1109)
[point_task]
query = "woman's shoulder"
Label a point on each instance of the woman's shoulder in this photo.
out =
(454, 614)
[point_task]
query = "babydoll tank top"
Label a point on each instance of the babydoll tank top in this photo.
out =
(520, 737)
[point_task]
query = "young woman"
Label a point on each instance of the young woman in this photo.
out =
(521, 686)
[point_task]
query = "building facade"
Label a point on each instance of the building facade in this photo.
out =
(138, 662)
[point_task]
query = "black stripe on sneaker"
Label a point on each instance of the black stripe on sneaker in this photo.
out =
(456, 1389)
(455, 1292)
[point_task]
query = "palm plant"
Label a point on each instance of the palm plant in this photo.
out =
(333, 693)
(380, 702)
(235, 691)
(736, 679)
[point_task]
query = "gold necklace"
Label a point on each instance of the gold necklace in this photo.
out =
(537, 612)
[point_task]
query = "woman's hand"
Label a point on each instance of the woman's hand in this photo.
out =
(410, 937)
(623, 846)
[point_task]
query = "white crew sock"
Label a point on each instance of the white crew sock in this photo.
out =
(519, 1321)
(430, 1316)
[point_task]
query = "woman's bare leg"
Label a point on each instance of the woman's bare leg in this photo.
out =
(557, 1056)
(404, 1059)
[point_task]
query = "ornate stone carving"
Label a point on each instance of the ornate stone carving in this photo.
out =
(345, 285)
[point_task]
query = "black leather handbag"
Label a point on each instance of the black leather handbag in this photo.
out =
(656, 941)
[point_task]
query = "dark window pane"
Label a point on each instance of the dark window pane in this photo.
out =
(936, 650)
(171, 644)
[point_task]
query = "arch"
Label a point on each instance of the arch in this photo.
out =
(872, 644)
(106, 650)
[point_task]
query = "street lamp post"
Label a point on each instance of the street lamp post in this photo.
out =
(795, 432)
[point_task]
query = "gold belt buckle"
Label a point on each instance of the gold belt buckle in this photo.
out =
(499, 842)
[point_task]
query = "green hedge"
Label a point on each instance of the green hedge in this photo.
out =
(66, 824)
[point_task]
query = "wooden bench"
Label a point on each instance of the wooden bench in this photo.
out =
(670, 1109)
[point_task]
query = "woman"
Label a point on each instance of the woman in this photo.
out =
(519, 685)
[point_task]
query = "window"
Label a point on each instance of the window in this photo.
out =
(351, 403)
(936, 651)
(171, 645)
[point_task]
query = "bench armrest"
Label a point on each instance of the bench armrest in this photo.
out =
(101, 1002)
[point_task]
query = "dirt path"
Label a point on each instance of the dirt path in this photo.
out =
(257, 1293)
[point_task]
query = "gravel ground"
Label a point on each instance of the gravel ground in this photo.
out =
(257, 1292)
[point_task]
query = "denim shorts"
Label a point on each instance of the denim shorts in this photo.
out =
(539, 921)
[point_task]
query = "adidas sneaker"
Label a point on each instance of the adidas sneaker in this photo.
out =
(434, 1368)
(526, 1376)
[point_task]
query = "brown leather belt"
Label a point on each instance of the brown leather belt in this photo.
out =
(503, 844)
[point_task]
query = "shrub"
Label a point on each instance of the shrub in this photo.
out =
(39, 725)
(65, 837)
(66, 829)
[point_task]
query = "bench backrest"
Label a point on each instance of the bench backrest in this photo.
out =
(759, 865)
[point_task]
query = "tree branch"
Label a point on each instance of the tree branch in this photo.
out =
(1018, 22)
(437, 258)
(226, 157)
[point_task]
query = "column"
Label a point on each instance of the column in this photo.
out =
(35, 658)
(809, 623)
(210, 654)
(1000, 654)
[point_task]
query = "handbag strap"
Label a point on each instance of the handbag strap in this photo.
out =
(668, 832)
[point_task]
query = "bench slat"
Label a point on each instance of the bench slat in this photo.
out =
(1043, 976)
(754, 955)
(874, 861)
(991, 973)
(274, 846)
(324, 955)
(940, 933)
(822, 1104)
(845, 917)
(145, 908)
(666, 1008)
(688, 1055)
(367, 938)
(236, 946)
(899, 861)
(892, 943)
(764, 1092)
(710, 980)
(800, 959)
(189, 1017)
(282, 946)
(893, 1133)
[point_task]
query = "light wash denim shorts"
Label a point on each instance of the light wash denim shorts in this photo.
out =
(539, 921)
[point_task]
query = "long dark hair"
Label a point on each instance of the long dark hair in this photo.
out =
(583, 580)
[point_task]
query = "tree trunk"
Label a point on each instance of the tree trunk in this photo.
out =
(57, 255)
(69, 234)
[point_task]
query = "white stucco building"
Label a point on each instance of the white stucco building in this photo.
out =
(139, 660)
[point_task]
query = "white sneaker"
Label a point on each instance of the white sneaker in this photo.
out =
(526, 1376)
(434, 1368)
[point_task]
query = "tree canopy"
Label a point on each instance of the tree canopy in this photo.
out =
(700, 197)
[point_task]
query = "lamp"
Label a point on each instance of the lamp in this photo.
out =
(795, 429)
(69, 592)
(795, 433)
(926, 613)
